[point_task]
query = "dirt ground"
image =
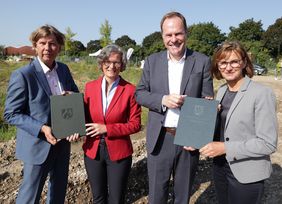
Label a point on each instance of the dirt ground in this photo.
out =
(79, 191)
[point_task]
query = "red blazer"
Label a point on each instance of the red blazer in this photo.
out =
(122, 118)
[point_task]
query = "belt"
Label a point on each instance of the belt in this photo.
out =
(170, 130)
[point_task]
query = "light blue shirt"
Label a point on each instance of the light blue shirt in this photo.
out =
(107, 99)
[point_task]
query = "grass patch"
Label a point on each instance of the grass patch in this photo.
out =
(6, 131)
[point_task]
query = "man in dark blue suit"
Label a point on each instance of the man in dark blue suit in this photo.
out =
(28, 108)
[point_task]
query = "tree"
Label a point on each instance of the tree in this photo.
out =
(2, 49)
(68, 40)
(138, 53)
(155, 47)
(272, 38)
(125, 42)
(249, 30)
(204, 37)
(76, 48)
(150, 39)
(105, 31)
(259, 53)
(153, 43)
(93, 46)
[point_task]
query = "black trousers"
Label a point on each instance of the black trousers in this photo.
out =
(229, 190)
(168, 159)
(108, 179)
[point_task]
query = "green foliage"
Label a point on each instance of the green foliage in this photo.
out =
(250, 34)
(152, 43)
(76, 48)
(93, 46)
(2, 54)
(204, 37)
(72, 47)
(258, 52)
(137, 55)
(272, 38)
(83, 72)
(155, 47)
(133, 75)
(105, 31)
(68, 40)
(249, 30)
(125, 42)
(6, 131)
(144, 116)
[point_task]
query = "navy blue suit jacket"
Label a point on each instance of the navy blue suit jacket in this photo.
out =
(28, 108)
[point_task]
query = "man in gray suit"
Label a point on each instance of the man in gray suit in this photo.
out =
(28, 108)
(168, 77)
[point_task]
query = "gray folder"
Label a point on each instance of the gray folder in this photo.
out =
(196, 122)
(67, 115)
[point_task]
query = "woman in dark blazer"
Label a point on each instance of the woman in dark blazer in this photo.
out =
(246, 132)
(113, 115)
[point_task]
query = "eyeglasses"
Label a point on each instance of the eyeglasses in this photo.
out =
(108, 63)
(233, 64)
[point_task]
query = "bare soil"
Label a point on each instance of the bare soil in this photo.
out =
(79, 191)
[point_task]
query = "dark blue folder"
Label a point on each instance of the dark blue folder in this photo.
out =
(196, 122)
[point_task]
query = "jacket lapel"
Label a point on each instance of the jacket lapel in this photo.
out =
(61, 76)
(41, 77)
(237, 99)
(221, 92)
(163, 70)
(187, 69)
(99, 98)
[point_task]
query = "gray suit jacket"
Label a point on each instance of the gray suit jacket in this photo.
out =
(250, 131)
(196, 82)
(28, 108)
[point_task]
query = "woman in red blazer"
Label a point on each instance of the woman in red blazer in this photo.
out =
(112, 115)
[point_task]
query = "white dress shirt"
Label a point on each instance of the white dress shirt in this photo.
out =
(175, 72)
(52, 78)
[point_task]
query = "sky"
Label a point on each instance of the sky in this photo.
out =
(135, 18)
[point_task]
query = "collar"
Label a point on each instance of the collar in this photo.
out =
(116, 82)
(181, 59)
(45, 67)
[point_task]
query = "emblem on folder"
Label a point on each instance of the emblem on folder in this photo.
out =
(67, 113)
(198, 110)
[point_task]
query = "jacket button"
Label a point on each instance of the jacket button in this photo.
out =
(227, 139)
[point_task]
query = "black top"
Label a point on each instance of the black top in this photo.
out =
(221, 120)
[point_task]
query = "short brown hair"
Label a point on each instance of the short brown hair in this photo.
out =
(224, 50)
(171, 15)
(45, 31)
